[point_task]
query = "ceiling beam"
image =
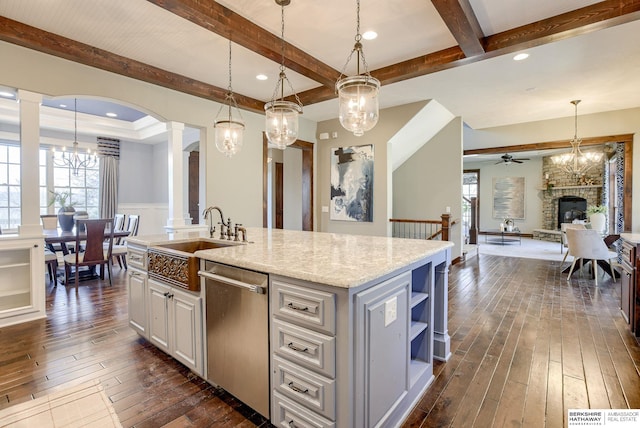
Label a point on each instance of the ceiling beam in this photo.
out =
(463, 24)
(563, 144)
(228, 24)
(33, 38)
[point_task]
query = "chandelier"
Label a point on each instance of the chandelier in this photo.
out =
(282, 116)
(576, 162)
(228, 131)
(74, 159)
(358, 94)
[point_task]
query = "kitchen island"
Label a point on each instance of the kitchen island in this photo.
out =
(354, 322)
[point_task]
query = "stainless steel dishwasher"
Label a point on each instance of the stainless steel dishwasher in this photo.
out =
(238, 333)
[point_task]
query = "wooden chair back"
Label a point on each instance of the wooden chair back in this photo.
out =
(98, 232)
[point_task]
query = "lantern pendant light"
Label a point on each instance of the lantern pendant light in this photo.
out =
(281, 117)
(229, 130)
(358, 94)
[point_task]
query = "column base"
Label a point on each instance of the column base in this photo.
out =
(441, 346)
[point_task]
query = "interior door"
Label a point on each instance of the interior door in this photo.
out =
(194, 186)
(279, 191)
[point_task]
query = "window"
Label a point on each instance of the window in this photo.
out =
(10, 194)
(83, 188)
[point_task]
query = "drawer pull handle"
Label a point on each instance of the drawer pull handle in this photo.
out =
(293, 347)
(296, 389)
(135, 258)
(298, 308)
(292, 424)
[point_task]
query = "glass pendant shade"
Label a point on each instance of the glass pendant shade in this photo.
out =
(358, 103)
(229, 129)
(358, 108)
(281, 116)
(282, 123)
(228, 136)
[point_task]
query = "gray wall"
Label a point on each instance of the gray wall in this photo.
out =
(423, 188)
(391, 120)
(137, 172)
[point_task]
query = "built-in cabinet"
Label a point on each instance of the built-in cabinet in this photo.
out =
(630, 284)
(168, 317)
(22, 292)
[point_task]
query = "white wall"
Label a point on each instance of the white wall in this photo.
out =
(531, 170)
(423, 188)
(592, 125)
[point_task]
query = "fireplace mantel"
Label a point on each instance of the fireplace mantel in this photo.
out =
(589, 186)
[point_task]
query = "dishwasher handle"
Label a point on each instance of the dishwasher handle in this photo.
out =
(234, 282)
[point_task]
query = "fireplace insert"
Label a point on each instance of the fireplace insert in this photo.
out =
(571, 208)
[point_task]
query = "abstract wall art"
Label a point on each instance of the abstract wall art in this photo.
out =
(352, 183)
(508, 197)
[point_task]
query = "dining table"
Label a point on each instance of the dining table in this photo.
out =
(59, 236)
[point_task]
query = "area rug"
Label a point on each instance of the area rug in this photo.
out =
(84, 405)
(528, 249)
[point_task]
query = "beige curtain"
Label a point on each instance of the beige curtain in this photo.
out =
(109, 153)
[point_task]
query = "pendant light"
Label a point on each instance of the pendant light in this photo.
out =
(74, 159)
(576, 162)
(358, 94)
(281, 117)
(229, 130)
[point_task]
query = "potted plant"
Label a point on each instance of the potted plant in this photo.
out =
(66, 211)
(597, 217)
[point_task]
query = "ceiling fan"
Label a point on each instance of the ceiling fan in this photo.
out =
(508, 159)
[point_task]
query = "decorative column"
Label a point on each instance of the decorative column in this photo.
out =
(29, 162)
(176, 176)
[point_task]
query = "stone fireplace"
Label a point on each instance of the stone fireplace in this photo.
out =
(560, 184)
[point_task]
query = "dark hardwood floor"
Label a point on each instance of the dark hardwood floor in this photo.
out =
(526, 346)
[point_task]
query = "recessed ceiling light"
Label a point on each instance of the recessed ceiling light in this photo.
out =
(63, 105)
(521, 56)
(261, 77)
(112, 114)
(6, 94)
(369, 35)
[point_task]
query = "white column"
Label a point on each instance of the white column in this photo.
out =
(176, 175)
(29, 162)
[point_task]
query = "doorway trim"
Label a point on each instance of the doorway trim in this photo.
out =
(307, 181)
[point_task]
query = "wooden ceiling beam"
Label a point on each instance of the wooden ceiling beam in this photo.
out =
(228, 24)
(43, 41)
(463, 24)
(563, 144)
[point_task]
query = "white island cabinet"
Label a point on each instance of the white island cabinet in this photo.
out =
(22, 293)
(354, 322)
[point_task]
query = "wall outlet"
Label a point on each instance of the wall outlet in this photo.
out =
(390, 311)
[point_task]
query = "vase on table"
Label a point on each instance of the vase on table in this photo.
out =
(65, 218)
(598, 222)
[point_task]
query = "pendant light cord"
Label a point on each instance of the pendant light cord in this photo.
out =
(357, 47)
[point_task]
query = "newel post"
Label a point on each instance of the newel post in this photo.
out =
(445, 226)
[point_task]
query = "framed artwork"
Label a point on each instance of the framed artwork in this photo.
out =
(352, 183)
(508, 197)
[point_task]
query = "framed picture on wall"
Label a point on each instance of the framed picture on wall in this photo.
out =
(352, 183)
(508, 197)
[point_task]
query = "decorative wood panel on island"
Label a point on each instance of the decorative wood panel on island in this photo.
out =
(354, 321)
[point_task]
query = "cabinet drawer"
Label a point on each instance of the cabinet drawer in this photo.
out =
(287, 414)
(628, 253)
(137, 256)
(304, 306)
(305, 347)
(302, 386)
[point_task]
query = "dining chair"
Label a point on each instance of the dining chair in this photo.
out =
(98, 231)
(588, 244)
(51, 260)
(50, 222)
(563, 237)
(119, 251)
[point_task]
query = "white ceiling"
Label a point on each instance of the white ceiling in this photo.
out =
(600, 68)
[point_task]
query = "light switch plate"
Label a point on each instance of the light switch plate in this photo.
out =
(390, 311)
(325, 209)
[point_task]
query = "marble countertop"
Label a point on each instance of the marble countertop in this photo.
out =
(338, 260)
(634, 238)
